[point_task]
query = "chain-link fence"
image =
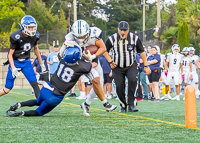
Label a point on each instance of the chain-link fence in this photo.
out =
(147, 35)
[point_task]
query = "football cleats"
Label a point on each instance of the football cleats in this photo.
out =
(175, 46)
(27, 22)
(72, 55)
(80, 31)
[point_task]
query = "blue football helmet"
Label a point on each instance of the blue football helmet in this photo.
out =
(72, 55)
(26, 22)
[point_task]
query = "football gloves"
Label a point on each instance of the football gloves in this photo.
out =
(89, 56)
(15, 72)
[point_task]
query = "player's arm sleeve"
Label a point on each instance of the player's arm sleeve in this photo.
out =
(13, 43)
(139, 46)
(98, 34)
(108, 45)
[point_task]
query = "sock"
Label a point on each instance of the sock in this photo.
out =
(90, 97)
(36, 88)
(29, 103)
(105, 101)
(83, 93)
(30, 113)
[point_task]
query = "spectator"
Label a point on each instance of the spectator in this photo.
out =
(107, 74)
(41, 76)
(154, 65)
(53, 60)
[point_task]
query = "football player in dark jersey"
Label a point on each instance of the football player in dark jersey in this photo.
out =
(71, 67)
(21, 42)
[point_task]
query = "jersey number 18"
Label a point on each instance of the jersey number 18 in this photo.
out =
(65, 73)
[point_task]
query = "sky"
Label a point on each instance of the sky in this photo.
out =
(166, 1)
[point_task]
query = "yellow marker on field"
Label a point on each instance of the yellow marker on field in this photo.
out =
(67, 98)
(190, 107)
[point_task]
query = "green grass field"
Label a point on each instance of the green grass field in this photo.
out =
(162, 121)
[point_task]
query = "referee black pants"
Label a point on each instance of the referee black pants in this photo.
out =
(119, 77)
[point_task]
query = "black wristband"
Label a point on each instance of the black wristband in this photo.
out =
(146, 66)
(111, 62)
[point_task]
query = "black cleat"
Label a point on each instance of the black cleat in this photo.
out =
(72, 95)
(132, 108)
(109, 107)
(14, 113)
(122, 110)
(14, 107)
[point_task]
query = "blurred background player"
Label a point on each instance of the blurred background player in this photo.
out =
(53, 60)
(174, 61)
(187, 67)
(21, 42)
(195, 77)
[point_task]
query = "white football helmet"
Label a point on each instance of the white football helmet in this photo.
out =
(185, 51)
(80, 31)
(175, 46)
(157, 47)
(191, 50)
(27, 22)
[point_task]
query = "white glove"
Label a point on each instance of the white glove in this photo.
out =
(43, 68)
(15, 72)
(89, 56)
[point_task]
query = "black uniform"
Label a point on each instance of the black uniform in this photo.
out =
(21, 56)
(22, 44)
(66, 76)
(124, 55)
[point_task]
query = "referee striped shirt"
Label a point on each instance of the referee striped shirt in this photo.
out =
(124, 50)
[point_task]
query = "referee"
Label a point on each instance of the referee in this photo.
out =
(124, 45)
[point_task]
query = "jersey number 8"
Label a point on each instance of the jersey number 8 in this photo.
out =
(65, 74)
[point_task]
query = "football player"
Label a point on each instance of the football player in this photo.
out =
(71, 67)
(21, 42)
(187, 67)
(174, 60)
(195, 77)
(84, 36)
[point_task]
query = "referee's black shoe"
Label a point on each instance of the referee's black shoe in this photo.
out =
(122, 110)
(132, 108)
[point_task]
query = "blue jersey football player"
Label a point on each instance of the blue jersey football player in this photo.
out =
(21, 42)
(71, 67)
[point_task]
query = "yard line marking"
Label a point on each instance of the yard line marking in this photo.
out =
(136, 116)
